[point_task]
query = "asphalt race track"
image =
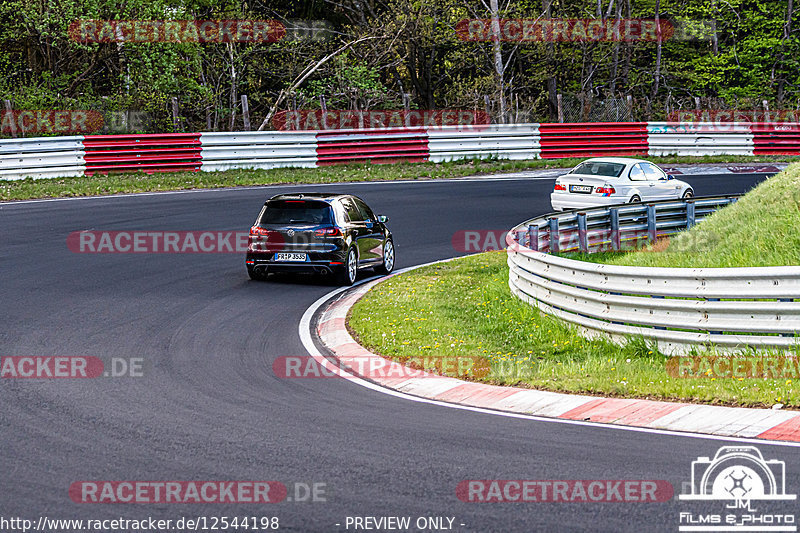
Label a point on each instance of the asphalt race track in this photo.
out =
(209, 407)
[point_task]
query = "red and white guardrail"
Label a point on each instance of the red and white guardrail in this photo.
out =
(49, 157)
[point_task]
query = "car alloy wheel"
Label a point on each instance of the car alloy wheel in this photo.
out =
(352, 266)
(388, 258)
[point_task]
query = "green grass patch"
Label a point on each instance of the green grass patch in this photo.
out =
(464, 309)
(168, 181)
(761, 229)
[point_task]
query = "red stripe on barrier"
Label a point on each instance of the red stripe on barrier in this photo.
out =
(589, 139)
(399, 145)
(775, 138)
(158, 152)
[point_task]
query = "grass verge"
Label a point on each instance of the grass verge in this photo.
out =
(140, 182)
(761, 229)
(463, 308)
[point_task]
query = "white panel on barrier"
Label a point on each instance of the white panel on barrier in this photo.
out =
(509, 141)
(258, 150)
(698, 139)
(42, 157)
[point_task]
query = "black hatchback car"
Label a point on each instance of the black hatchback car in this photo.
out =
(334, 234)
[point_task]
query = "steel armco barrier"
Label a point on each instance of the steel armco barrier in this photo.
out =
(48, 157)
(42, 157)
(158, 152)
(509, 141)
(679, 308)
(258, 150)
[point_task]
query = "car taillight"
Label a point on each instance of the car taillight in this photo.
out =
(257, 230)
(559, 187)
(605, 191)
(328, 232)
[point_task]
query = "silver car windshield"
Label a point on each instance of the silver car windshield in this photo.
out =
(599, 168)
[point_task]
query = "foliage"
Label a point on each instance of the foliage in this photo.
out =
(747, 52)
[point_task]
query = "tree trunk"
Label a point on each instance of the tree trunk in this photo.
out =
(657, 76)
(628, 50)
(612, 85)
(498, 59)
(787, 31)
(234, 98)
(551, 69)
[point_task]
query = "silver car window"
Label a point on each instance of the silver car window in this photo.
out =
(636, 173)
(652, 172)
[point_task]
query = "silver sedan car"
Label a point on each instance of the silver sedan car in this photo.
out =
(605, 181)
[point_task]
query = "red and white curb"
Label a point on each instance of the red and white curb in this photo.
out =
(735, 422)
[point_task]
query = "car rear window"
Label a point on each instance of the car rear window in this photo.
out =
(296, 212)
(599, 168)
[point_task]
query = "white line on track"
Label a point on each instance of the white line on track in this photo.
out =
(528, 175)
(306, 338)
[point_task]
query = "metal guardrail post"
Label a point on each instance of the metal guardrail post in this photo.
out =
(533, 237)
(616, 240)
(583, 244)
(690, 218)
(652, 234)
(553, 235)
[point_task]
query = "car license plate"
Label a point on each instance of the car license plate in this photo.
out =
(580, 188)
(291, 257)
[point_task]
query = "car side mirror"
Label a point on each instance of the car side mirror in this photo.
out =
(670, 177)
(383, 219)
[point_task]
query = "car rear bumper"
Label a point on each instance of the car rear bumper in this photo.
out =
(567, 201)
(317, 263)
